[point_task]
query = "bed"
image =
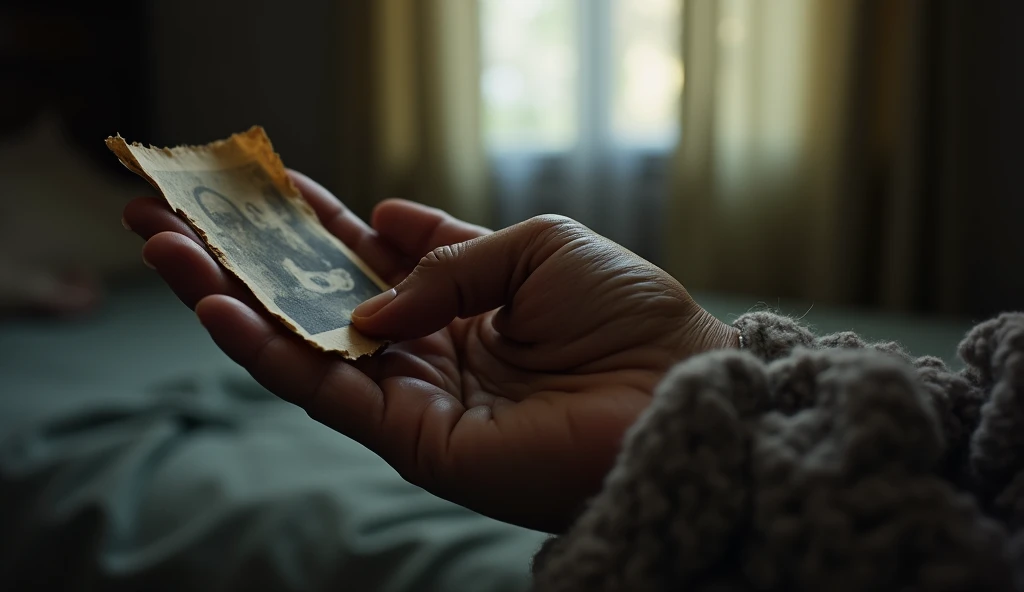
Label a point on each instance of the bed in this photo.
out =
(134, 455)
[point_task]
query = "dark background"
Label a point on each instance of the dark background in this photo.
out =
(192, 71)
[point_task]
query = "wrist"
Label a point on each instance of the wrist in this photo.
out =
(704, 332)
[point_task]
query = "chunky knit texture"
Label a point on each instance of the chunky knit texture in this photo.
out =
(814, 463)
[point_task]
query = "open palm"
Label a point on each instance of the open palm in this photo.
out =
(521, 358)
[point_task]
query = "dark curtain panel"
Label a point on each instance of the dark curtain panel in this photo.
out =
(852, 152)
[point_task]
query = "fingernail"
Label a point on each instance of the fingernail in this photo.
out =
(148, 264)
(124, 223)
(373, 305)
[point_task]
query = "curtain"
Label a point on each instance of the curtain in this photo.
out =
(830, 152)
(409, 101)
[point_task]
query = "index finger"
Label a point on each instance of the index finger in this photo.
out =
(388, 262)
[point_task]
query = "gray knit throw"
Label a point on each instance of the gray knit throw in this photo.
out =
(824, 464)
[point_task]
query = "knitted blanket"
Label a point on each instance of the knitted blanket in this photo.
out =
(814, 463)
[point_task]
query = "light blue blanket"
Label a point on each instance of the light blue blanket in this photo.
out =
(135, 456)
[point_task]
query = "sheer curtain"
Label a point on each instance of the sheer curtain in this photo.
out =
(409, 103)
(580, 113)
(768, 86)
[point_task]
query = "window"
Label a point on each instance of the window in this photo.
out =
(557, 72)
(647, 69)
(530, 77)
(581, 109)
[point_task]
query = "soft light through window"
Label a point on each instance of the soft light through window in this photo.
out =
(648, 70)
(559, 72)
(530, 73)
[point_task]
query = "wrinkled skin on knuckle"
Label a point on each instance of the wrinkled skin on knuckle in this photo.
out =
(441, 266)
(631, 298)
(437, 261)
(595, 256)
(548, 234)
(556, 228)
(440, 256)
(544, 221)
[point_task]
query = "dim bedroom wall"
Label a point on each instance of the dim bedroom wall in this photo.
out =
(221, 67)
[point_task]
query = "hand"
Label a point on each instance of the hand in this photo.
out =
(525, 354)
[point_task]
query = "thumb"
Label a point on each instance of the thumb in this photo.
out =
(462, 280)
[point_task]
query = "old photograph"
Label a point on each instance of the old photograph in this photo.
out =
(271, 242)
(237, 195)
